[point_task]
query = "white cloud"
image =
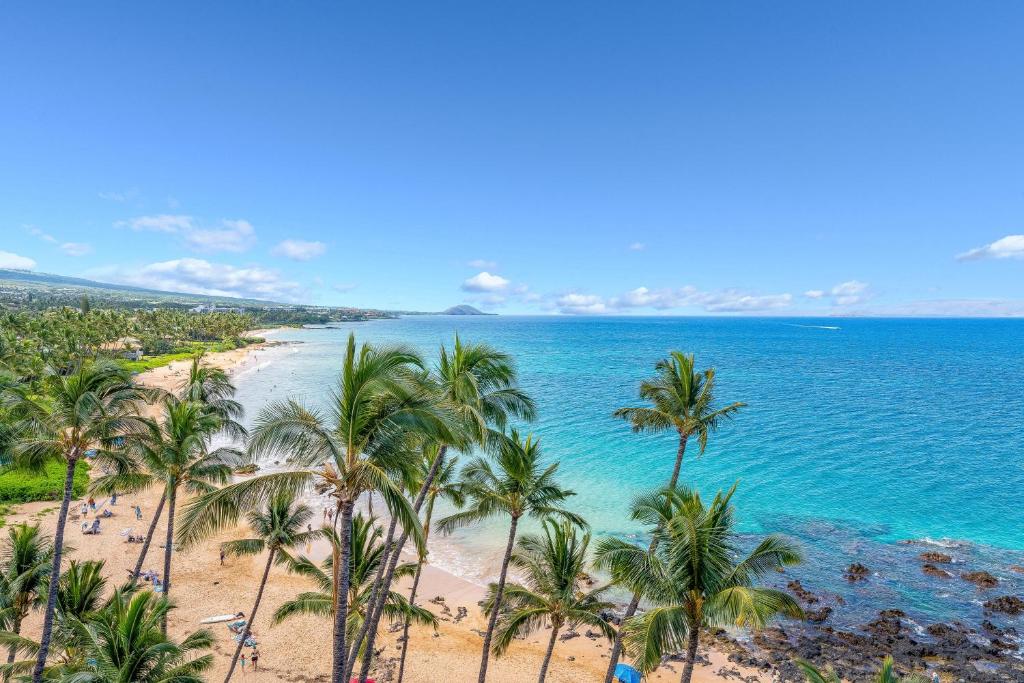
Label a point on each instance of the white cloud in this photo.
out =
(46, 237)
(849, 292)
(485, 282)
(814, 293)
(198, 276)
(1011, 246)
(233, 235)
(299, 250)
(725, 301)
(483, 264)
(230, 235)
(76, 248)
(161, 223)
(581, 304)
(15, 261)
(637, 246)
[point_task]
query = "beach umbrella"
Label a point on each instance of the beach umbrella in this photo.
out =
(627, 674)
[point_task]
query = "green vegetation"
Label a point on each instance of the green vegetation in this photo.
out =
(26, 486)
(67, 390)
(186, 352)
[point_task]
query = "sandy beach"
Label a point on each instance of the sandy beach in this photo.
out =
(299, 649)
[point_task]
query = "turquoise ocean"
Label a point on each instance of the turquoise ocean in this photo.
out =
(859, 436)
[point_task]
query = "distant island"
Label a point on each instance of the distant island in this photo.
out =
(464, 309)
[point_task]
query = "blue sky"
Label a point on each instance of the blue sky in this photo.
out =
(650, 158)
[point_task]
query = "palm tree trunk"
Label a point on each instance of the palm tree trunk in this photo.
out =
(547, 655)
(172, 495)
(679, 460)
(691, 653)
(149, 539)
(353, 651)
(252, 615)
(376, 608)
(58, 543)
(341, 614)
(634, 602)
(415, 585)
(498, 595)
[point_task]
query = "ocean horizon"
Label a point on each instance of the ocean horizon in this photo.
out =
(867, 440)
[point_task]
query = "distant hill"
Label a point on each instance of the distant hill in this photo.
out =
(21, 289)
(464, 309)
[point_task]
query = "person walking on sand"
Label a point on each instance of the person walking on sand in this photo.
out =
(242, 661)
(255, 658)
(138, 513)
(222, 557)
(92, 503)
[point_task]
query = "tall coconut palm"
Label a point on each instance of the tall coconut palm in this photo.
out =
(124, 643)
(693, 579)
(553, 565)
(212, 386)
(366, 555)
(361, 443)
(516, 485)
(178, 456)
(27, 560)
(206, 386)
(444, 487)
(278, 528)
(84, 409)
(682, 400)
(479, 384)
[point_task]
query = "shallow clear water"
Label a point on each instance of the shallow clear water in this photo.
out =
(859, 433)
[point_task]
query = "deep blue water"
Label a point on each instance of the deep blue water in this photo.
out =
(854, 438)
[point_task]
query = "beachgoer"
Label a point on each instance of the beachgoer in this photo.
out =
(92, 503)
(243, 661)
(95, 526)
(85, 508)
(138, 512)
(222, 556)
(255, 658)
(113, 498)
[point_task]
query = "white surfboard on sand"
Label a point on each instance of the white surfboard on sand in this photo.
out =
(219, 618)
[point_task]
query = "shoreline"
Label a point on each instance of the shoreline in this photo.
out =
(299, 650)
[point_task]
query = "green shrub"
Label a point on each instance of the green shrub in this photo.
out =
(19, 486)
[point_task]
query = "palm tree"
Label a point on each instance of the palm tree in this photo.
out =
(886, 674)
(692, 579)
(277, 528)
(177, 454)
(553, 565)
(366, 555)
(518, 487)
(212, 386)
(360, 444)
(479, 385)
(124, 643)
(682, 399)
(205, 385)
(87, 408)
(446, 487)
(27, 561)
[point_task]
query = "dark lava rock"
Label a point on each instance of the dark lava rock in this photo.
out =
(980, 579)
(1007, 604)
(856, 572)
(797, 589)
(951, 636)
(931, 570)
(817, 616)
(935, 558)
(887, 625)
